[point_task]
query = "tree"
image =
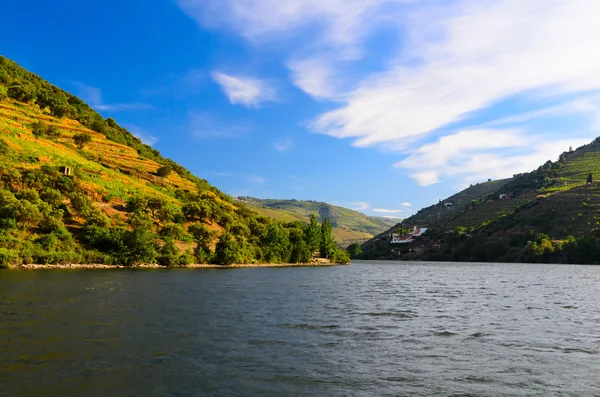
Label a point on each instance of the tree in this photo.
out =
(52, 132)
(82, 139)
(51, 196)
(28, 214)
(313, 234)
(164, 171)
(276, 245)
(327, 246)
(81, 203)
(38, 129)
(354, 250)
(202, 234)
(299, 252)
(197, 210)
(228, 251)
(169, 254)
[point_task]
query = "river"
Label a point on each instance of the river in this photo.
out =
(369, 329)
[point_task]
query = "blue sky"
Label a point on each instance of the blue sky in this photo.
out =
(379, 105)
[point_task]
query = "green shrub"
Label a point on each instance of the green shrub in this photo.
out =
(169, 254)
(340, 256)
(82, 139)
(164, 171)
(186, 259)
(8, 258)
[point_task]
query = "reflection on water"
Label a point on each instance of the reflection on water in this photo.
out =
(373, 328)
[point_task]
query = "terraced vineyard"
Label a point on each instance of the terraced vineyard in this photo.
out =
(448, 211)
(103, 165)
(554, 201)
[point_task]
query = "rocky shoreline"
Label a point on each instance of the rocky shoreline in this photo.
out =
(321, 262)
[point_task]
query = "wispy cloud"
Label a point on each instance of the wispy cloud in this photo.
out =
(461, 52)
(360, 206)
(93, 96)
(386, 211)
(341, 22)
(255, 179)
(406, 204)
(247, 91)
(476, 155)
(204, 125)
(315, 77)
(283, 145)
(451, 61)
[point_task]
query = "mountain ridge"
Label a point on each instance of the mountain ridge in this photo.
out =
(349, 226)
(549, 214)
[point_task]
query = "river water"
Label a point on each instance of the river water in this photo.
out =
(369, 329)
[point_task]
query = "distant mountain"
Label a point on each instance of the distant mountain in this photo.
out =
(349, 226)
(551, 214)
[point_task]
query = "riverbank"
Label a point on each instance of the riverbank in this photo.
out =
(320, 262)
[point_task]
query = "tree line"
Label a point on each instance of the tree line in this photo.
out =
(47, 217)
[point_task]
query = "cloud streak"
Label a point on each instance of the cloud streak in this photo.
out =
(203, 125)
(93, 96)
(246, 91)
(283, 145)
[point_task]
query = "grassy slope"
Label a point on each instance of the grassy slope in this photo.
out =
(348, 225)
(109, 171)
(563, 206)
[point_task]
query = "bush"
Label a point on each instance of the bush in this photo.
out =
(8, 258)
(164, 171)
(186, 259)
(38, 129)
(3, 92)
(227, 251)
(340, 256)
(82, 139)
(354, 250)
(169, 254)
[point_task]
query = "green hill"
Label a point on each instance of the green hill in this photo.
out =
(549, 214)
(349, 226)
(78, 188)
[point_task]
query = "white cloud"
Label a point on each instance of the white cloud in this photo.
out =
(340, 22)
(314, 76)
(360, 206)
(480, 52)
(386, 211)
(406, 204)
(453, 59)
(283, 145)
(204, 125)
(476, 155)
(93, 96)
(247, 91)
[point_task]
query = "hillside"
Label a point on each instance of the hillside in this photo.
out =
(349, 226)
(548, 215)
(78, 188)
